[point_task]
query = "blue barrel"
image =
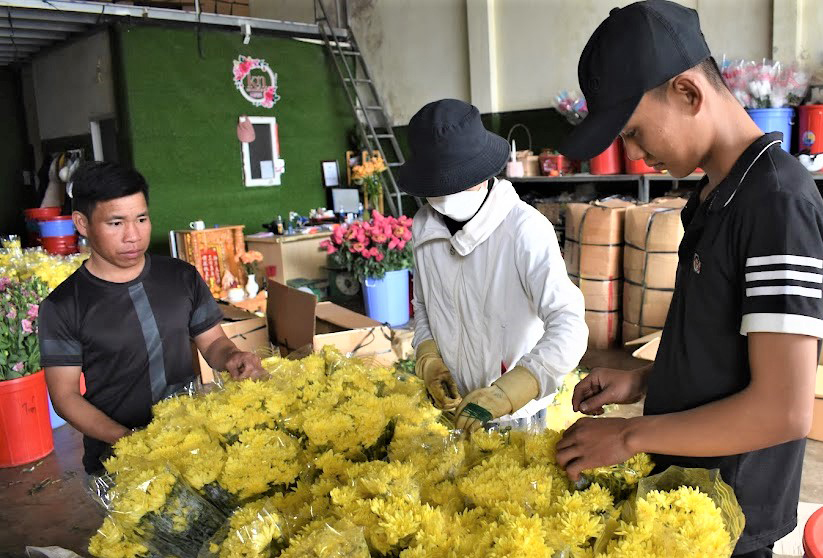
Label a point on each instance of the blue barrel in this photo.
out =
(387, 299)
(56, 421)
(57, 226)
(775, 120)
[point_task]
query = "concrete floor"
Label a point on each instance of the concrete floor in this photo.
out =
(46, 504)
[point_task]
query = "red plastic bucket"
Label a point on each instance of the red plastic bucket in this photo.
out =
(638, 167)
(810, 128)
(60, 245)
(25, 427)
(33, 217)
(813, 536)
(608, 162)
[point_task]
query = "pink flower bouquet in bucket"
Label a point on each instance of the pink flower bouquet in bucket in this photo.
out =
(371, 249)
(19, 308)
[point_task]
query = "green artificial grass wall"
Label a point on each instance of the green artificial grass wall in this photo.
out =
(181, 111)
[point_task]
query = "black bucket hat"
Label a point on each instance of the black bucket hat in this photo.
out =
(451, 151)
(635, 49)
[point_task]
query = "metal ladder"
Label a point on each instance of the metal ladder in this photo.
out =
(373, 122)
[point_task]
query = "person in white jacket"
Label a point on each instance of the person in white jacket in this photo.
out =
(498, 323)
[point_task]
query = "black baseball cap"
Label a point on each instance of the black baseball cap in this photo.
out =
(636, 48)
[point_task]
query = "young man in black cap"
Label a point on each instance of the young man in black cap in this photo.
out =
(124, 318)
(732, 387)
(498, 323)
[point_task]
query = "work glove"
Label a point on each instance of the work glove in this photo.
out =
(508, 394)
(437, 378)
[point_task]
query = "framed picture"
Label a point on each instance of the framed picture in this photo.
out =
(262, 165)
(331, 174)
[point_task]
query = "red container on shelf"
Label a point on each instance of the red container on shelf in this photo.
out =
(608, 162)
(638, 167)
(555, 164)
(810, 128)
(60, 245)
(33, 217)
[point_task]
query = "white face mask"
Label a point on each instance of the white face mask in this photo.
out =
(461, 206)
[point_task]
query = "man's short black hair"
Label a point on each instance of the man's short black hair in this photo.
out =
(96, 182)
(708, 68)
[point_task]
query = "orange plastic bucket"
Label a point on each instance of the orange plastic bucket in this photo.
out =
(813, 536)
(608, 162)
(810, 129)
(25, 426)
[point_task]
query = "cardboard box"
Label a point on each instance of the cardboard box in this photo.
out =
(816, 432)
(660, 273)
(655, 226)
(594, 239)
(599, 222)
(593, 262)
(632, 332)
(247, 331)
(604, 329)
(648, 346)
(604, 296)
(297, 321)
(553, 211)
(647, 307)
(292, 257)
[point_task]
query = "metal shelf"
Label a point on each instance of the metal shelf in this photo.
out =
(579, 177)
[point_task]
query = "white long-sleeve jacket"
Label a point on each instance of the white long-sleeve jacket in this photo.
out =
(497, 295)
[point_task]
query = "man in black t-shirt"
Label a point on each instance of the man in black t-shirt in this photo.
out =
(125, 318)
(732, 387)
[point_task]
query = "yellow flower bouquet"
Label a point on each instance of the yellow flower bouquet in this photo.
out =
(342, 458)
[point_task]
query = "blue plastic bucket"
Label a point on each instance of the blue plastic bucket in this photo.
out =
(387, 299)
(775, 120)
(56, 421)
(57, 226)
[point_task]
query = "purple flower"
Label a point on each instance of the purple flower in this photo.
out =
(27, 326)
(4, 282)
(18, 367)
(12, 314)
(33, 311)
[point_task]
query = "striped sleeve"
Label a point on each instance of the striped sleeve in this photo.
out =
(783, 268)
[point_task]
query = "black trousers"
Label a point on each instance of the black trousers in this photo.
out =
(759, 553)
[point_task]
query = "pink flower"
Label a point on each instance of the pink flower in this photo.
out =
(399, 232)
(34, 309)
(407, 235)
(380, 238)
(379, 257)
(337, 234)
(394, 243)
(242, 68)
(374, 252)
(4, 282)
(18, 367)
(401, 244)
(12, 314)
(358, 247)
(366, 254)
(328, 247)
(27, 328)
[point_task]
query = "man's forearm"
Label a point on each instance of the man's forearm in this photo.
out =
(740, 423)
(88, 419)
(219, 352)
